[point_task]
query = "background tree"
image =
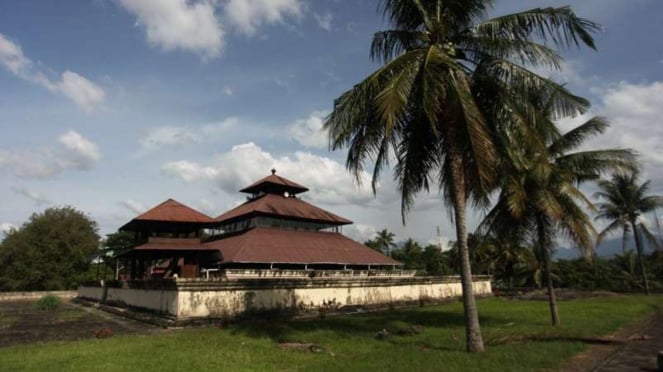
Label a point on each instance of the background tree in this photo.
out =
(51, 251)
(410, 254)
(447, 82)
(437, 262)
(114, 244)
(625, 201)
(385, 241)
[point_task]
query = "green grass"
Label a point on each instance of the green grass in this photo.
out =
(48, 303)
(349, 342)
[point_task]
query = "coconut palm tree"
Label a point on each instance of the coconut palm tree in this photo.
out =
(448, 81)
(385, 241)
(539, 196)
(625, 201)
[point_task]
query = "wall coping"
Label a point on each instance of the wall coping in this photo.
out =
(31, 295)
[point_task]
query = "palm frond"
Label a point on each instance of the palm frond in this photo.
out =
(560, 25)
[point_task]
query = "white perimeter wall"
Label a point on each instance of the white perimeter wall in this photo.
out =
(228, 301)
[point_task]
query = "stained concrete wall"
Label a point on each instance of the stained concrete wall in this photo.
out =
(195, 298)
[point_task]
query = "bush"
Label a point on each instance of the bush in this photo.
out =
(48, 303)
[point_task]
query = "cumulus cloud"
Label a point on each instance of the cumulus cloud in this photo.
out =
(83, 92)
(308, 132)
(634, 111)
(360, 232)
(6, 227)
(133, 206)
(197, 26)
(35, 196)
(179, 24)
(80, 152)
(248, 15)
(74, 152)
(180, 136)
(328, 180)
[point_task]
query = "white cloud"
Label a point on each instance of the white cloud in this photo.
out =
(77, 88)
(74, 152)
(308, 132)
(360, 232)
(179, 24)
(12, 57)
(248, 15)
(82, 91)
(81, 153)
(133, 206)
(635, 111)
(189, 171)
(180, 136)
(35, 196)
(329, 181)
(6, 227)
(324, 20)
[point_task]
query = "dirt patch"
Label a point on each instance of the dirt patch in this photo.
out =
(22, 323)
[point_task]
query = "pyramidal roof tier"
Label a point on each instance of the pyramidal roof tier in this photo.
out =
(282, 207)
(274, 184)
(169, 211)
(272, 245)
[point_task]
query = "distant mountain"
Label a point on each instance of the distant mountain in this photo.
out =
(608, 248)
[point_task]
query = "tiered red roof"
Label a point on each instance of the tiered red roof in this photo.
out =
(273, 196)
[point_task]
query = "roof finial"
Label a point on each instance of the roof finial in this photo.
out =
(273, 171)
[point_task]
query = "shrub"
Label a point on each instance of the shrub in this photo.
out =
(48, 302)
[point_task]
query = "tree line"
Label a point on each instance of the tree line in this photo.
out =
(515, 267)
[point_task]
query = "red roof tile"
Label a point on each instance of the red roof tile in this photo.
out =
(277, 205)
(270, 245)
(272, 182)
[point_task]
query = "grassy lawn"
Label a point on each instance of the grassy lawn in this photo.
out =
(349, 342)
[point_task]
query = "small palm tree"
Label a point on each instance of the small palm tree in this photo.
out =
(385, 241)
(539, 196)
(449, 80)
(625, 202)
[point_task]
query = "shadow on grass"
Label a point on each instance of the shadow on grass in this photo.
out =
(519, 339)
(352, 325)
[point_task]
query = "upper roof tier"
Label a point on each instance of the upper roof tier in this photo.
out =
(170, 211)
(274, 184)
(282, 207)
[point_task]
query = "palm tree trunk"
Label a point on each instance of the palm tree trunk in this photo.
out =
(545, 256)
(641, 263)
(624, 236)
(474, 340)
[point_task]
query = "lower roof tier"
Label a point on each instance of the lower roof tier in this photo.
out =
(272, 245)
(261, 245)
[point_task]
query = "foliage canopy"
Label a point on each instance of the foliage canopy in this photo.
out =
(51, 251)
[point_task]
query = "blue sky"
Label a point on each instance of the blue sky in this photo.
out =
(113, 106)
